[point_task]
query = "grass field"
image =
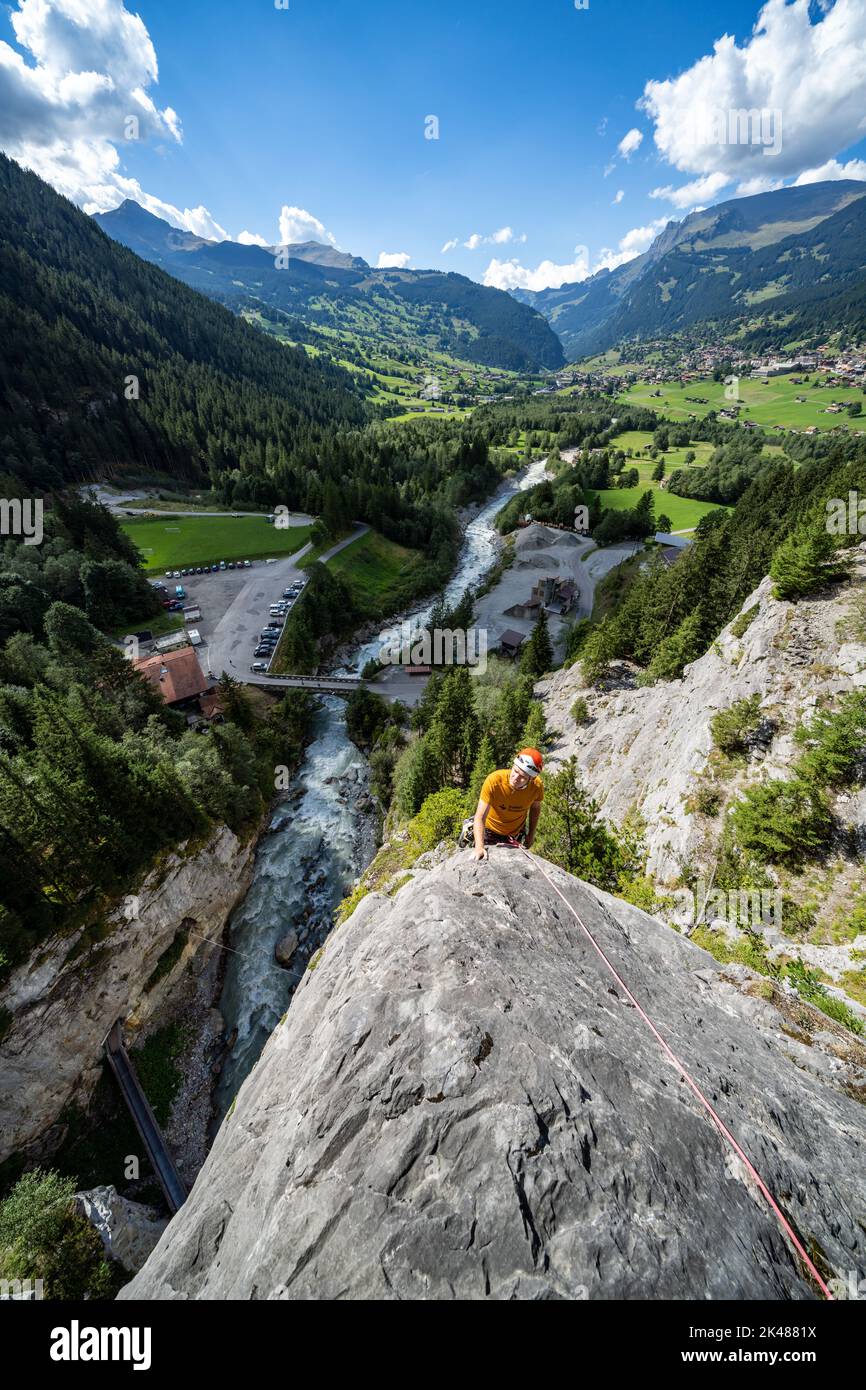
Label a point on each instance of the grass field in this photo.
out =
(378, 571)
(767, 403)
(168, 542)
(683, 512)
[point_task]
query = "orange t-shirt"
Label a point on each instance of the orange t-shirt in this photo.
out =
(508, 807)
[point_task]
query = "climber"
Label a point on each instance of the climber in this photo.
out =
(507, 798)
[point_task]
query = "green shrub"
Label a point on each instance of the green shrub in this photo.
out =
(744, 621)
(43, 1237)
(809, 987)
(580, 711)
(836, 743)
(440, 818)
(801, 565)
(731, 728)
(782, 822)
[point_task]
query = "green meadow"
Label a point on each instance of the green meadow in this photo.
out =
(769, 403)
(182, 542)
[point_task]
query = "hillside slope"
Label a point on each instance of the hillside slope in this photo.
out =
(428, 309)
(650, 750)
(737, 260)
(460, 1104)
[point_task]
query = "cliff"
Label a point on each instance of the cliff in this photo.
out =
(461, 1103)
(62, 1001)
(650, 750)
(646, 748)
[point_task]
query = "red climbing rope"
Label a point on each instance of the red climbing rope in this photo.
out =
(723, 1129)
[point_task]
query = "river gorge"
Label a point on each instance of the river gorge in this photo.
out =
(321, 836)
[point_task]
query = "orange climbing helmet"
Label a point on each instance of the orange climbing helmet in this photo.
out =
(530, 761)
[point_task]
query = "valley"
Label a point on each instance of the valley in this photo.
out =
(192, 846)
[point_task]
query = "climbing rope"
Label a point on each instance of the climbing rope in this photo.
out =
(717, 1120)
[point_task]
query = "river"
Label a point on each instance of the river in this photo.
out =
(320, 838)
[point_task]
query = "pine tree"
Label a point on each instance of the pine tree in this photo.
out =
(535, 733)
(537, 655)
(800, 565)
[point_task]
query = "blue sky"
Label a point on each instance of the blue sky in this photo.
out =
(321, 108)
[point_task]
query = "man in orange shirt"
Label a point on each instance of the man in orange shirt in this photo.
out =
(507, 799)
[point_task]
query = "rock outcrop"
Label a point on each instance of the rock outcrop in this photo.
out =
(64, 999)
(644, 748)
(128, 1230)
(462, 1103)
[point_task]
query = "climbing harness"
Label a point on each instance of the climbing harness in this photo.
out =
(717, 1120)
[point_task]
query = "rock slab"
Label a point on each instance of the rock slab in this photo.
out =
(462, 1103)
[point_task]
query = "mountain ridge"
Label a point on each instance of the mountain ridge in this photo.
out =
(593, 314)
(319, 285)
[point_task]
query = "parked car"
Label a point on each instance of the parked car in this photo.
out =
(248, 564)
(259, 666)
(199, 570)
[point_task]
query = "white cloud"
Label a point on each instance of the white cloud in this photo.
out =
(251, 239)
(609, 168)
(689, 193)
(296, 224)
(630, 142)
(634, 243)
(805, 83)
(449, 246)
(499, 238)
(511, 275)
(393, 260)
(80, 96)
(756, 185)
(854, 169)
(619, 195)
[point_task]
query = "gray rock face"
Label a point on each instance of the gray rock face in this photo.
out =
(62, 1005)
(128, 1230)
(645, 749)
(461, 1103)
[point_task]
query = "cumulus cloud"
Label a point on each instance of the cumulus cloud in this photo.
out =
(689, 193)
(498, 238)
(449, 246)
(787, 100)
(511, 275)
(251, 239)
(393, 260)
(619, 195)
(630, 142)
(634, 243)
(296, 224)
(854, 169)
(80, 96)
